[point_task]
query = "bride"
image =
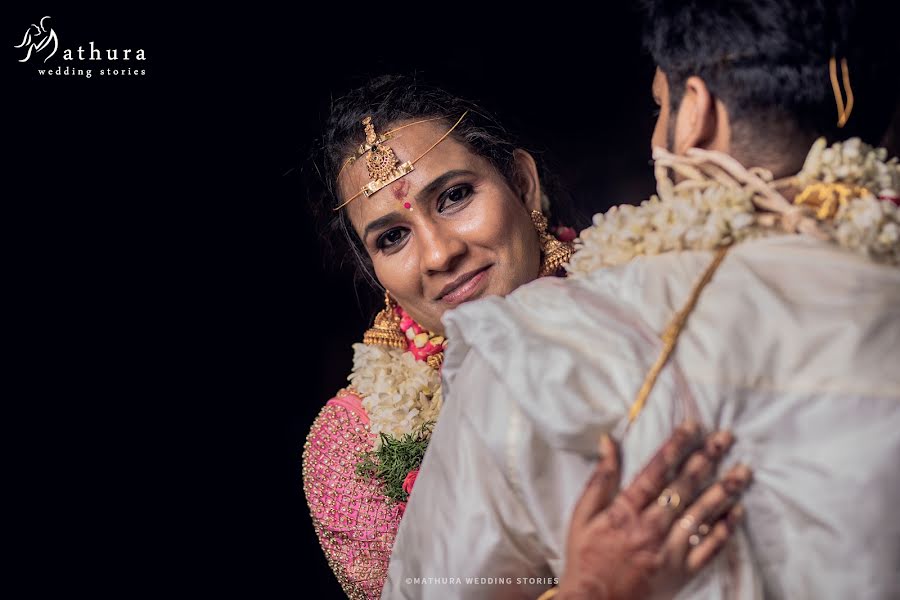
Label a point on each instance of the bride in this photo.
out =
(439, 206)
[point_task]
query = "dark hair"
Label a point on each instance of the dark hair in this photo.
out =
(767, 60)
(392, 98)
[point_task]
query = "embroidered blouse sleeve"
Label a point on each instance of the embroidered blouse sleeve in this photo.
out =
(353, 520)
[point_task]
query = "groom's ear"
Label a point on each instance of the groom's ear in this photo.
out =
(702, 120)
(527, 180)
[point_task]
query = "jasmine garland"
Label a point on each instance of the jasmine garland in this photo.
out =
(718, 202)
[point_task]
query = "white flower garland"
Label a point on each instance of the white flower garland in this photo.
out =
(851, 162)
(400, 394)
(719, 203)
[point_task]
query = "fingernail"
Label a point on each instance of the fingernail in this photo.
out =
(743, 472)
(691, 428)
(606, 444)
(737, 479)
(720, 442)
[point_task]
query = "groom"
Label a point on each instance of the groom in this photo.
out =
(765, 301)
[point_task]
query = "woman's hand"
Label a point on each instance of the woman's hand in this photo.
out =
(652, 537)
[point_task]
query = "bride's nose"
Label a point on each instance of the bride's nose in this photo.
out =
(440, 249)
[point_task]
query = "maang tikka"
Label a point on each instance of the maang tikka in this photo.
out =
(382, 164)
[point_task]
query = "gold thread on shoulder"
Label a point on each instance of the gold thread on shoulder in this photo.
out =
(670, 336)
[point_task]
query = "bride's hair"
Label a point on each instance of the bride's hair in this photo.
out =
(393, 98)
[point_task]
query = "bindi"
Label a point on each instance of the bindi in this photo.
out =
(400, 191)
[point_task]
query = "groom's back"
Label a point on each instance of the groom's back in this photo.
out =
(795, 346)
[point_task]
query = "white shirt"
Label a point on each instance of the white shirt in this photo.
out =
(794, 346)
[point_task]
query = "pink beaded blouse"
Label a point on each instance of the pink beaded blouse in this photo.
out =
(354, 521)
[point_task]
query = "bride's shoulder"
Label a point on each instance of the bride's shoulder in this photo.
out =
(341, 428)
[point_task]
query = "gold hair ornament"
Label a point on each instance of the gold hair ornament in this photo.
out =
(843, 110)
(383, 165)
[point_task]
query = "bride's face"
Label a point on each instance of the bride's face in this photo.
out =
(468, 235)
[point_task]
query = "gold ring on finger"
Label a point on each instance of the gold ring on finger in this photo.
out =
(669, 498)
(702, 531)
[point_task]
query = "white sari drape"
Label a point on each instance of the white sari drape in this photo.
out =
(794, 346)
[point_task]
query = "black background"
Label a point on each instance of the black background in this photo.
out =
(173, 326)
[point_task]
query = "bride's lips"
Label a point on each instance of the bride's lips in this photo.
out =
(464, 286)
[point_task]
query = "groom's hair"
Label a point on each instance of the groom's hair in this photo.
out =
(768, 61)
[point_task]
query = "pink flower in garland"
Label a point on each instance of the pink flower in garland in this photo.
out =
(410, 481)
(889, 196)
(565, 234)
(420, 342)
(407, 321)
(408, 484)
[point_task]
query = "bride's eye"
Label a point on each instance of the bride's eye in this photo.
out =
(453, 196)
(390, 238)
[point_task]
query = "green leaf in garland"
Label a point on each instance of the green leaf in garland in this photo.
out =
(393, 461)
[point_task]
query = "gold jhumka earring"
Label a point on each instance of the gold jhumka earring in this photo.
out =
(386, 329)
(554, 253)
